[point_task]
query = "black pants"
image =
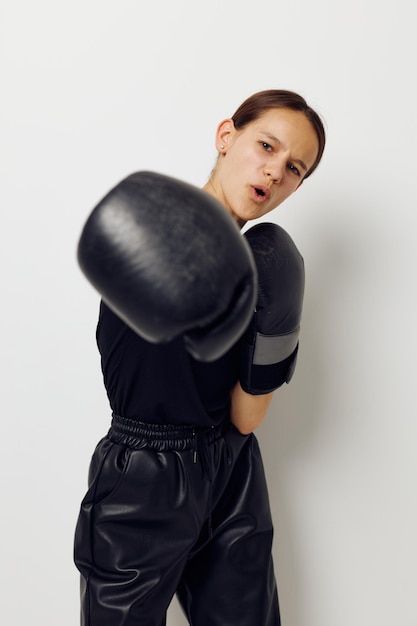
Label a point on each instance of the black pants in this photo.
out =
(172, 510)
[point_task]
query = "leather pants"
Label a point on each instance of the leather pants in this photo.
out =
(176, 510)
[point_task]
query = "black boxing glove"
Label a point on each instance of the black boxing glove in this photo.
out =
(169, 260)
(270, 344)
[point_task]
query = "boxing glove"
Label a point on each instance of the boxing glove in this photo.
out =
(169, 260)
(270, 344)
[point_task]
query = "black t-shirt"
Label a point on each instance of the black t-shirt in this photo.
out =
(162, 383)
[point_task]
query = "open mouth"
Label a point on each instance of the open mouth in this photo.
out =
(261, 193)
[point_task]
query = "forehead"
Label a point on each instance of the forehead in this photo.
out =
(292, 129)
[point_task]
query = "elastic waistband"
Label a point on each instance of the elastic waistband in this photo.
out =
(163, 437)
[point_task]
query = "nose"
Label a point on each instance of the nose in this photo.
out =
(275, 169)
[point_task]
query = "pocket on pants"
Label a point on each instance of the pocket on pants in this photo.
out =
(107, 469)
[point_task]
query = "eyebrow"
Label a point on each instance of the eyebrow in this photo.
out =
(299, 161)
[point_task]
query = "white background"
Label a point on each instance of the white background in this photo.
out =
(94, 90)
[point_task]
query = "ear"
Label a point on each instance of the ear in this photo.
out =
(224, 134)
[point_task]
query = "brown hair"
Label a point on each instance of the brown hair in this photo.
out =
(260, 102)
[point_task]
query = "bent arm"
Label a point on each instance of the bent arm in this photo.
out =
(248, 411)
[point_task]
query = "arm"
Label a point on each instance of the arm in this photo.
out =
(247, 411)
(141, 248)
(270, 343)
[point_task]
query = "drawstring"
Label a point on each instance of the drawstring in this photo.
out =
(201, 452)
(202, 443)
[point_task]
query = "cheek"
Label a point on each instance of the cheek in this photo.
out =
(293, 183)
(285, 190)
(242, 157)
(234, 171)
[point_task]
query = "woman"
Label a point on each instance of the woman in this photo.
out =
(177, 500)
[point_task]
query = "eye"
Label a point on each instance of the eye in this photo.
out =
(294, 169)
(266, 146)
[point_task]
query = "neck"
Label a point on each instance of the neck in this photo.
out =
(210, 188)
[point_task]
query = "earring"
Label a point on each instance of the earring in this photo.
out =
(221, 147)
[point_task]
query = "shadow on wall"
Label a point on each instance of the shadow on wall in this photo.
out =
(301, 420)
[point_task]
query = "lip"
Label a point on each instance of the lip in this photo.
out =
(260, 197)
